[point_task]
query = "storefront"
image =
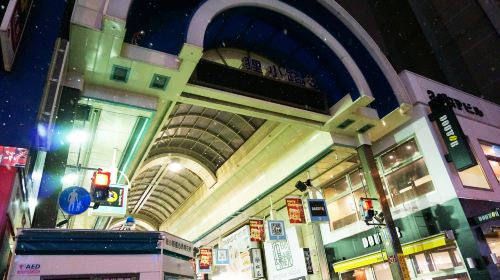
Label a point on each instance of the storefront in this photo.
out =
(446, 218)
(14, 208)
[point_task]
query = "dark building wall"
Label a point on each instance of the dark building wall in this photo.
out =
(456, 42)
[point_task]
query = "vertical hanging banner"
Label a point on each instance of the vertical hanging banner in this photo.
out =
(451, 132)
(317, 210)
(256, 230)
(205, 258)
(257, 265)
(308, 260)
(276, 230)
(295, 210)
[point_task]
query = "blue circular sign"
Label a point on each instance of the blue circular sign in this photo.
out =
(74, 200)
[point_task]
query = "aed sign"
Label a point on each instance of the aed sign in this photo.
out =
(376, 239)
(28, 268)
(451, 132)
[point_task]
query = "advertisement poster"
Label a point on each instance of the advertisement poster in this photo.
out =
(221, 257)
(295, 210)
(11, 29)
(116, 204)
(257, 230)
(12, 156)
(238, 246)
(317, 210)
(285, 259)
(276, 230)
(205, 258)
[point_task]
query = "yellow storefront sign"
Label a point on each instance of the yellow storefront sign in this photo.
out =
(414, 247)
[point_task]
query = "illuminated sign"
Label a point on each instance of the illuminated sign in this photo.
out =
(13, 156)
(451, 132)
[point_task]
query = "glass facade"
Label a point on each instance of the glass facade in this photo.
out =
(440, 263)
(404, 173)
(342, 198)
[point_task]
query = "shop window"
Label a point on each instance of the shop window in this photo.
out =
(438, 262)
(342, 198)
(492, 153)
(405, 173)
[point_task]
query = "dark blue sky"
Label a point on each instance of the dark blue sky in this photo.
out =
(22, 88)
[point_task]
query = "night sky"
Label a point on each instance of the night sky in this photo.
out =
(22, 88)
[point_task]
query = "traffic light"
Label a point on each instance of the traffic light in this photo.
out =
(366, 207)
(100, 185)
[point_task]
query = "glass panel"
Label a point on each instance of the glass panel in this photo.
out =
(382, 271)
(492, 153)
(357, 178)
(409, 182)
(338, 187)
(442, 260)
(423, 263)
(400, 154)
(474, 177)
(342, 212)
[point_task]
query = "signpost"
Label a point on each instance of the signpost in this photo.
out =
(74, 200)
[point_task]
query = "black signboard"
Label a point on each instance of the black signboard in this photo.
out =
(451, 132)
(486, 217)
(307, 257)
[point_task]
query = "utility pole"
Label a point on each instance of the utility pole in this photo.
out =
(397, 263)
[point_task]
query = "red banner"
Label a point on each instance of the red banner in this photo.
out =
(12, 156)
(205, 258)
(295, 210)
(257, 230)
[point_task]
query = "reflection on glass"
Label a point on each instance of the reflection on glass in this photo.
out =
(356, 178)
(492, 153)
(342, 212)
(409, 182)
(399, 154)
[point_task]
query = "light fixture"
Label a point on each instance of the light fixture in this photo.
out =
(77, 136)
(69, 179)
(175, 166)
(408, 147)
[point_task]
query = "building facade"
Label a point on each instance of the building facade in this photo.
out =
(208, 113)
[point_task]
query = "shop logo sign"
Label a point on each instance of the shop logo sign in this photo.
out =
(452, 137)
(451, 132)
(282, 255)
(29, 268)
